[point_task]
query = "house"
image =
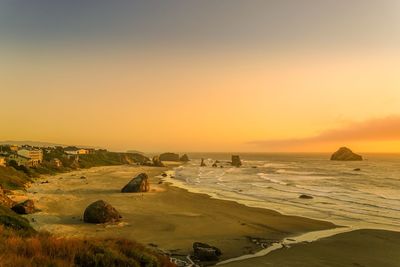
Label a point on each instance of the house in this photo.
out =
(2, 161)
(35, 156)
(21, 160)
(76, 151)
(14, 148)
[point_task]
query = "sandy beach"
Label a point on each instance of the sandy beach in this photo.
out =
(167, 217)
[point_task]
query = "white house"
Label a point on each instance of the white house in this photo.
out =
(80, 151)
(35, 156)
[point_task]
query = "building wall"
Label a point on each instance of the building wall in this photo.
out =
(35, 156)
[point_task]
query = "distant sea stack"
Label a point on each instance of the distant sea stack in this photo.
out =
(202, 164)
(169, 157)
(345, 154)
(236, 161)
(184, 158)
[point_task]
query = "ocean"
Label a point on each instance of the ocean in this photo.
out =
(365, 198)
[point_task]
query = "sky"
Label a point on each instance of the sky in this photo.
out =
(185, 76)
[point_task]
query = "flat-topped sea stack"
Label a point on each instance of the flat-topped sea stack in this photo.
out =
(101, 212)
(169, 157)
(236, 161)
(138, 184)
(345, 154)
(184, 158)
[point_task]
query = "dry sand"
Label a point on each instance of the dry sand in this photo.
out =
(167, 217)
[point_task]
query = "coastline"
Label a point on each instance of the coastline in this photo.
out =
(151, 218)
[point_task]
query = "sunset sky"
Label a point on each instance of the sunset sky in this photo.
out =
(226, 75)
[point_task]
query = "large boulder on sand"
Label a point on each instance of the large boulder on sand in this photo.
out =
(204, 252)
(184, 158)
(236, 161)
(345, 154)
(26, 207)
(138, 184)
(101, 212)
(169, 157)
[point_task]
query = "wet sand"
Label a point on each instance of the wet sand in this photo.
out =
(372, 248)
(168, 217)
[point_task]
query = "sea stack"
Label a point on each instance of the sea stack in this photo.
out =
(236, 161)
(345, 154)
(202, 164)
(184, 158)
(169, 157)
(157, 162)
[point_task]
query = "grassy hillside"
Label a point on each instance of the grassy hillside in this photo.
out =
(13, 179)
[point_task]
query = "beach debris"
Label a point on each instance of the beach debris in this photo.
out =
(202, 164)
(345, 154)
(205, 252)
(184, 158)
(304, 196)
(138, 184)
(101, 212)
(26, 207)
(357, 169)
(236, 161)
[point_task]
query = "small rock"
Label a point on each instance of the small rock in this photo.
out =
(83, 177)
(202, 164)
(164, 175)
(236, 161)
(357, 169)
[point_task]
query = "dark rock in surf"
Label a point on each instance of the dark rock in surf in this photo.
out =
(101, 212)
(157, 162)
(236, 161)
(202, 164)
(345, 154)
(138, 184)
(215, 165)
(205, 252)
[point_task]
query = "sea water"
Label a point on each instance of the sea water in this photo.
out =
(365, 198)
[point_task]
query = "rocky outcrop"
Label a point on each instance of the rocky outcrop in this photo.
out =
(205, 252)
(157, 162)
(26, 207)
(169, 157)
(345, 154)
(138, 184)
(202, 164)
(4, 199)
(304, 196)
(236, 161)
(215, 165)
(101, 212)
(184, 158)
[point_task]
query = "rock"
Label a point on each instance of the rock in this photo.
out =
(157, 162)
(304, 196)
(345, 154)
(26, 207)
(45, 182)
(236, 161)
(215, 165)
(202, 164)
(164, 175)
(138, 184)
(184, 158)
(83, 177)
(4, 199)
(101, 212)
(204, 252)
(357, 169)
(169, 157)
